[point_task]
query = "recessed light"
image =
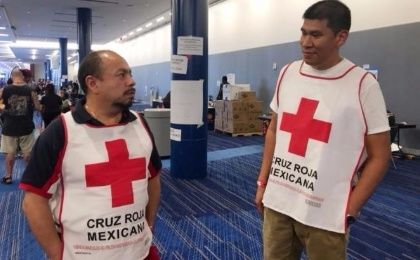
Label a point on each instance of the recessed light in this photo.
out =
(160, 19)
(2, 28)
(139, 29)
(130, 33)
(148, 25)
(4, 35)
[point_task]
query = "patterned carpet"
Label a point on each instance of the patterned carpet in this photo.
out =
(215, 218)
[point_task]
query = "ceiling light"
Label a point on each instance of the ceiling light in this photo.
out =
(139, 29)
(4, 35)
(130, 33)
(2, 28)
(6, 24)
(148, 25)
(160, 19)
(34, 51)
(33, 57)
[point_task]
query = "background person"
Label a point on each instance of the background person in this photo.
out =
(19, 102)
(51, 104)
(224, 82)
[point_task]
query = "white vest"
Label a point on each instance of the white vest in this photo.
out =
(102, 196)
(319, 146)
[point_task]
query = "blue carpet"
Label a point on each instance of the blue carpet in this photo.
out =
(16, 239)
(219, 141)
(215, 218)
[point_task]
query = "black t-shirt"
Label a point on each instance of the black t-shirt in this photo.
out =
(51, 104)
(49, 145)
(18, 112)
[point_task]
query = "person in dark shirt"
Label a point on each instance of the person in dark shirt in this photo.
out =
(51, 104)
(97, 162)
(19, 102)
(224, 82)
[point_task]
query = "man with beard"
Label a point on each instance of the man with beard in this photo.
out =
(92, 185)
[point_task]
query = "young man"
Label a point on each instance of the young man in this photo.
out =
(329, 123)
(92, 185)
(18, 127)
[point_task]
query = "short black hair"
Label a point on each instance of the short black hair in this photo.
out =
(90, 65)
(337, 14)
(50, 88)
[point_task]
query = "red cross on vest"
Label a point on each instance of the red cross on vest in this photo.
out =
(119, 172)
(303, 127)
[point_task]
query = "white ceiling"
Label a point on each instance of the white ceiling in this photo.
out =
(48, 20)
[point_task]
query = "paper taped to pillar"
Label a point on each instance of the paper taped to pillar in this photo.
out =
(187, 102)
(179, 64)
(189, 45)
(175, 134)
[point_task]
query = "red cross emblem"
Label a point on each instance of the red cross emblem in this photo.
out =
(119, 173)
(303, 126)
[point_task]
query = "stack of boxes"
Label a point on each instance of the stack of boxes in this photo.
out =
(239, 116)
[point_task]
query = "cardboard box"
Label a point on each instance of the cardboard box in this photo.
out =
(254, 126)
(253, 106)
(235, 127)
(218, 125)
(246, 96)
(233, 106)
(230, 92)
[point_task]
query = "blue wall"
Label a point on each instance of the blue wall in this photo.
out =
(394, 51)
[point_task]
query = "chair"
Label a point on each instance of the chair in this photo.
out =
(393, 132)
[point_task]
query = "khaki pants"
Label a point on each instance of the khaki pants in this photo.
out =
(284, 238)
(10, 144)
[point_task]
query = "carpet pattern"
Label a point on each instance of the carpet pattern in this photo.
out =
(215, 218)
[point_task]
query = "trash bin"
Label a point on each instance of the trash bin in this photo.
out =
(158, 120)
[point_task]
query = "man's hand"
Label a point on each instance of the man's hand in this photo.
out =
(258, 199)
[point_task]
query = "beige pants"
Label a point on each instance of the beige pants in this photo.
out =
(10, 144)
(284, 238)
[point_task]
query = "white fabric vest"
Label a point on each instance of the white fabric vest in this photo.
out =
(102, 196)
(319, 146)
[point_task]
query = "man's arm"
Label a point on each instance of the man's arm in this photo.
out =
(378, 152)
(153, 190)
(42, 224)
(269, 145)
(35, 100)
